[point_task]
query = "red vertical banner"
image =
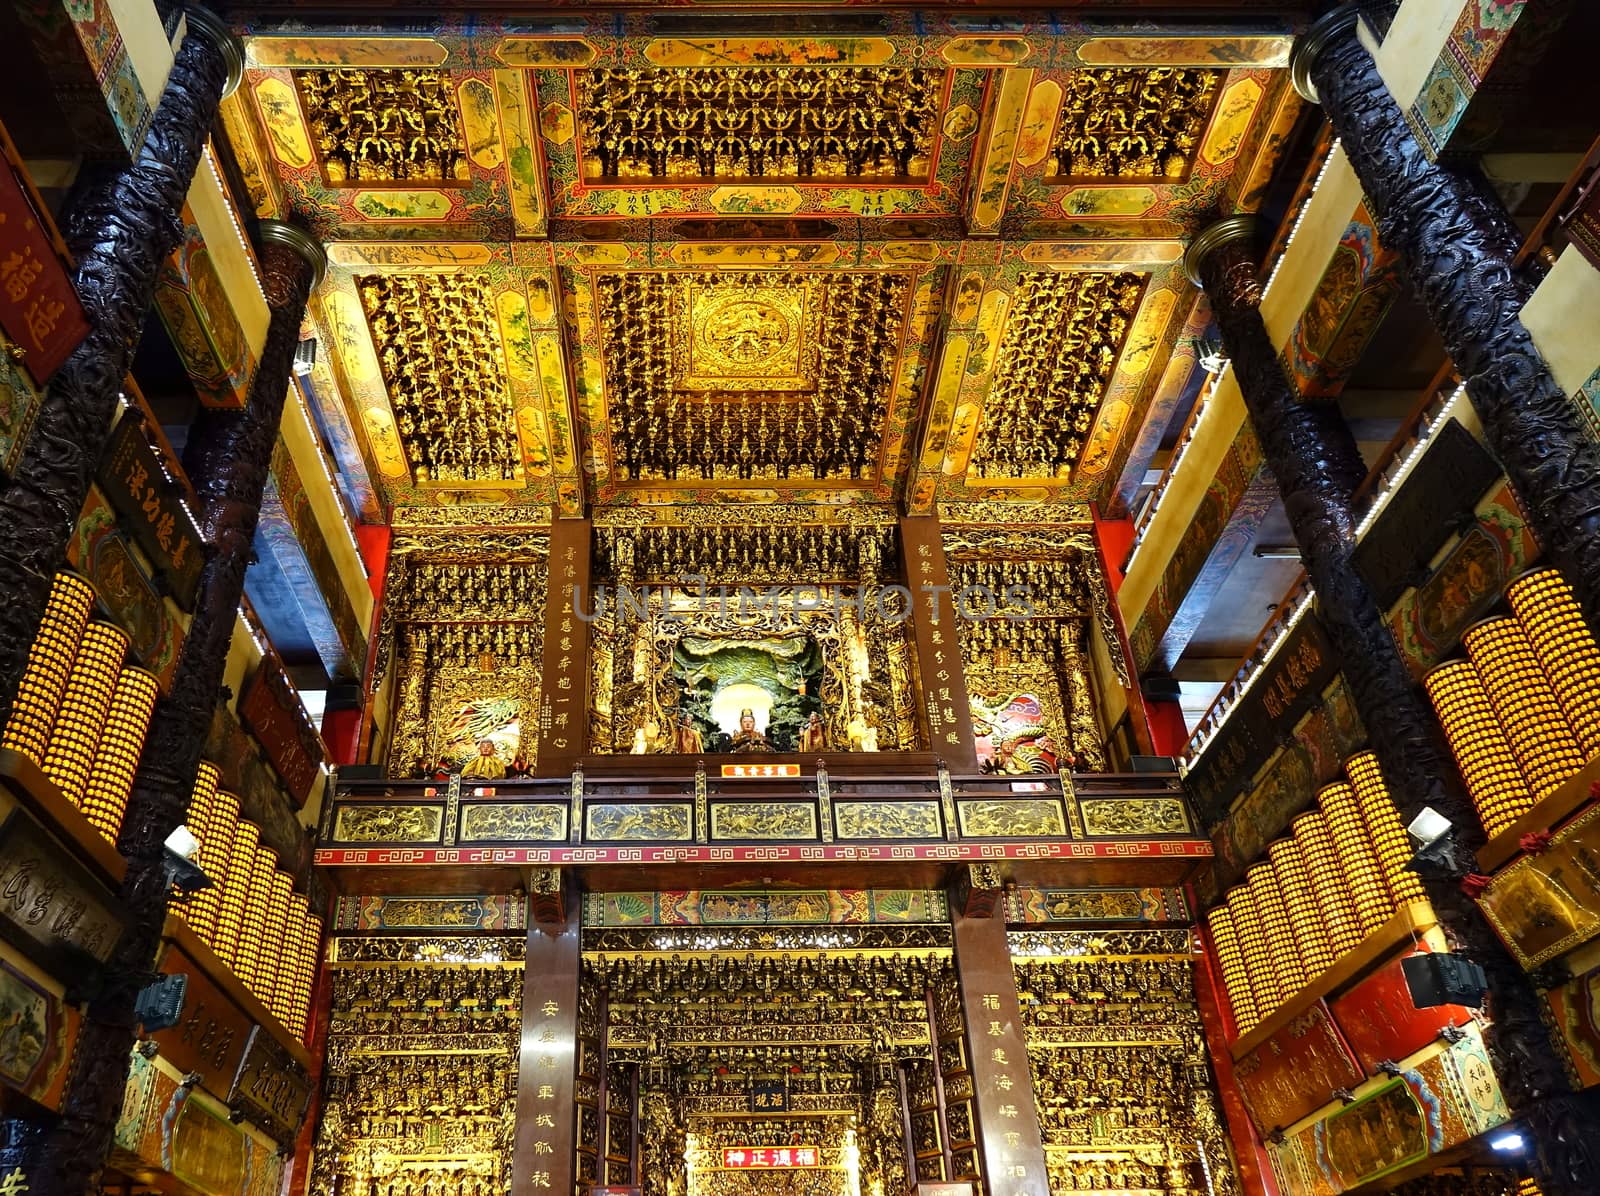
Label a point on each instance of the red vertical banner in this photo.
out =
(942, 699)
(543, 1155)
(39, 308)
(1008, 1120)
(564, 699)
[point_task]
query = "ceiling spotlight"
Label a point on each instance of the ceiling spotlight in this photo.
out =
(1276, 552)
(1507, 1141)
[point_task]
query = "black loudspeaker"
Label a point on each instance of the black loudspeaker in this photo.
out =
(1152, 764)
(1440, 979)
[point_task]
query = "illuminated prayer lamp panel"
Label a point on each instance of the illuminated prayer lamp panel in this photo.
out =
(1383, 822)
(55, 646)
(1494, 778)
(1230, 960)
(236, 893)
(281, 946)
(1331, 890)
(216, 845)
(1353, 848)
(1262, 977)
(257, 959)
(1305, 918)
(1520, 693)
(301, 947)
(105, 797)
(1548, 611)
(84, 707)
(1274, 919)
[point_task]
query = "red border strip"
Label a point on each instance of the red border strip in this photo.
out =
(708, 854)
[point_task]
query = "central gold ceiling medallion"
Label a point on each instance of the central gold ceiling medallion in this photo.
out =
(746, 336)
(747, 374)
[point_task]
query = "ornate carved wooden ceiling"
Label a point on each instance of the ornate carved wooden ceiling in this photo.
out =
(628, 265)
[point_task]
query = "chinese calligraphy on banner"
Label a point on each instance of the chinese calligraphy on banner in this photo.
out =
(39, 310)
(767, 1158)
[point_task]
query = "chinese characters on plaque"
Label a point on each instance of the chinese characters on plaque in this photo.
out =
(769, 1158)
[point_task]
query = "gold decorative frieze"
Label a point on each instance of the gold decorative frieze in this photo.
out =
(384, 126)
(388, 824)
(1004, 818)
(1135, 816)
(763, 820)
(506, 822)
(887, 820)
(749, 374)
(639, 822)
(1136, 124)
(792, 123)
(749, 551)
(1059, 352)
(439, 349)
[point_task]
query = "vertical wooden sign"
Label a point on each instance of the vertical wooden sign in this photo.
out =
(564, 686)
(1008, 1122)
(942, 700)
(542, 1160)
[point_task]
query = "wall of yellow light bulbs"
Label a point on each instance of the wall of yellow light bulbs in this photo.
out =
(81, 715)
(1522, 711)
(1340, 876)
(81, 712)
(251, 917)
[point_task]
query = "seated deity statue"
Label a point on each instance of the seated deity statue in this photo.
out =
(748, 739)
(486, 765)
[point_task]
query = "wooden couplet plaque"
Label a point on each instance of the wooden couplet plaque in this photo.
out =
(946, 711)
(564, 690)
(542, 1158)
(1008, 1123)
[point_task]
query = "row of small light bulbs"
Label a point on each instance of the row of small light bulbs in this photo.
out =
(1338, 877)
(81, 714)
(1522, 710)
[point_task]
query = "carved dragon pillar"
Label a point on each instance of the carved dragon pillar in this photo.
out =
(1313, 455)
(121, 228)
(1459, 247)
(228, 458)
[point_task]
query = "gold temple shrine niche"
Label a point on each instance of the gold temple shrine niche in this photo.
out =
(419, 1087)
(1029, 601)
(439, 351)
(463, 623)
(756, 1048)
(1060, 349)
(744, 374)
(384, 127)
(787, 613)
(1132, 124)
(1121, 1078)
(783, 125)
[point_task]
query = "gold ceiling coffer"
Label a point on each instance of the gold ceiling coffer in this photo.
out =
(785, 123)
(384, 126)
(1060, 350)
(1132, 124)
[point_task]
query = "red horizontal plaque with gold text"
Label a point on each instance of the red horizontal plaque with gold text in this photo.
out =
(769, 1158)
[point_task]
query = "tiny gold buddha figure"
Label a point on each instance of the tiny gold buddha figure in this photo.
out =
(748, 739)
(486, 764)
